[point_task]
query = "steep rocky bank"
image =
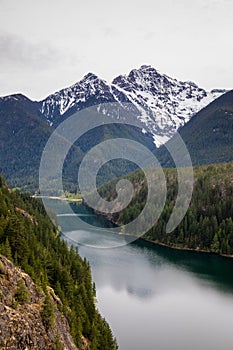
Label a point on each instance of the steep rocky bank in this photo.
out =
(22, 322)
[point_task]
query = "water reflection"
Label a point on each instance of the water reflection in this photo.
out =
(157, 298)
(156, 267)
(209, 267)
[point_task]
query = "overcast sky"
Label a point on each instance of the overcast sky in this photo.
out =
(50, 44)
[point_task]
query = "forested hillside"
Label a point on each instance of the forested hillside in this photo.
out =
(31, 241)
(208, 134)
(23, 136)
(208, 223)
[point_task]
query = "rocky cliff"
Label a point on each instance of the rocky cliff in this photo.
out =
(23, 319)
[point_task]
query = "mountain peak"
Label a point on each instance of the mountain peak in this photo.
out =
(163, 103)
(142, 72)
(75, 97)
(90, 77)
(16, 97)
(91, 80)
(148, 69)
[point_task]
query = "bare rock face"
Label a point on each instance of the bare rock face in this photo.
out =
(21, 320)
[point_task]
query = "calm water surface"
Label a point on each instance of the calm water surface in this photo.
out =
(156, 298)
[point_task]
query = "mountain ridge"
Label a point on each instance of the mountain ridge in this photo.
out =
(162, 104)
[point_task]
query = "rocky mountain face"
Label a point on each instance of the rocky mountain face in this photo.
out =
(208, 135)
(161, 103)
(22, 323)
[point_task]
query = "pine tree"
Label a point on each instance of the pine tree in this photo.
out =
(47, 312)
(21, 294)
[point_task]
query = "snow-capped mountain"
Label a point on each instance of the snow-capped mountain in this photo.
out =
(160, 103)
(87, 92)
(163, 103)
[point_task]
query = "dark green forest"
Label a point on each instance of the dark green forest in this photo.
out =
(208, 223)
(31, 241)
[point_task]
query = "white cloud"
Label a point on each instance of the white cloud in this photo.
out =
(17, 51)
(65, 40)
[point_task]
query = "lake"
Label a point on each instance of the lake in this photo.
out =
(156, 298)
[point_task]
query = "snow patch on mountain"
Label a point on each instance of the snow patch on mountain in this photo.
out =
(162, 104)
(165, 103)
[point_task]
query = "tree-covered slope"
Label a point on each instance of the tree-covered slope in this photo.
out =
(31, 241)
(23, 135)
(208, 223)
(208, 135)
(24, 132)
(30, 318)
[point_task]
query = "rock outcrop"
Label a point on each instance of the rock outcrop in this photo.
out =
(21, 318)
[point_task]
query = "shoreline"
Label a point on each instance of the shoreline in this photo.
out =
(60, 198)
(203, 251)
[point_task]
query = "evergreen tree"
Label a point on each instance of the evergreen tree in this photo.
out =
(47, 312)
(21, 294)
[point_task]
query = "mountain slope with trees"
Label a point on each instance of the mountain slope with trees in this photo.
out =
(208, 135)
(23, 135)
(208, 223)
(31, 241)
(30, 318)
